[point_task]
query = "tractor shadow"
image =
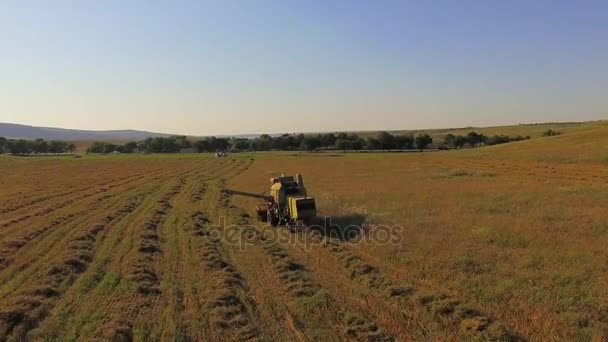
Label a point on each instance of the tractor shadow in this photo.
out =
(343, 228)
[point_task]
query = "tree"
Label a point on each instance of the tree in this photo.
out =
(109, 148)
(40, 146)
(423, 141)
(240, 144)
(459, 141)
(310, 143)
(550, 133)
(449, 139)
(181, 141)
(474, 139)
(130, 147)
(404, 142)
(386, 140)
(327, 139)
(264, 142)
(96, 147)
(357, 144)
(372, 143)
(71, 148)
(19, 147)
(344, 144)
(56, 146)
(221, 144)
(3, 145)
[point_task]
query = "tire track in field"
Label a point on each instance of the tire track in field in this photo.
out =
(296, 279)
(25, 311)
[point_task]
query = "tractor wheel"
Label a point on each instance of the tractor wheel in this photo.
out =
(272, 219)
(262, 216)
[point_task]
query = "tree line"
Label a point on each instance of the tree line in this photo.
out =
(474, 139)
(265, 142)
(22, 147)
(286, 142)
(303, 142)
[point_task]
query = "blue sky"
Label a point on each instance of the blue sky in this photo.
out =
(221, 67)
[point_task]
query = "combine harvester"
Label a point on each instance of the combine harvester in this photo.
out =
(288, 202)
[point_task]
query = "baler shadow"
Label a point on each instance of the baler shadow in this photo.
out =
(344, 228)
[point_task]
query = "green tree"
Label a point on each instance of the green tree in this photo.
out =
(19, 147)
(56, 146)
(109, 148)
(475, 139)
(264, 142)
(328, 140)
(405, 141)
(3, 145)
(240, 144)
(423, 141)
(459, 141)
(310, 143)
(130, 147)
(96, 147)
(372, 143)
(40, 146)
(386, 140)
(449, 140)
(550, 133)
(201, 145)
(344, 144)
(357, 144)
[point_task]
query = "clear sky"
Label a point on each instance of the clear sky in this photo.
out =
(253, 66)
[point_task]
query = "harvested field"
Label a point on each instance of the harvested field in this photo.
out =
(487, 244)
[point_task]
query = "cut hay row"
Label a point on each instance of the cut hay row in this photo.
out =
(24, 311)
(100, 182)
(157, 270)
(69, 201)
(472, 322)
(11, 245)
(21, 206)
(133, 183)
(142, 271)
(9, 248)
(227, 312)
(297, 281)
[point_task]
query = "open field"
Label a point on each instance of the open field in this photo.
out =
(499, 243)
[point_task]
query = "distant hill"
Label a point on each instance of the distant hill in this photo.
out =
(16, 131)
